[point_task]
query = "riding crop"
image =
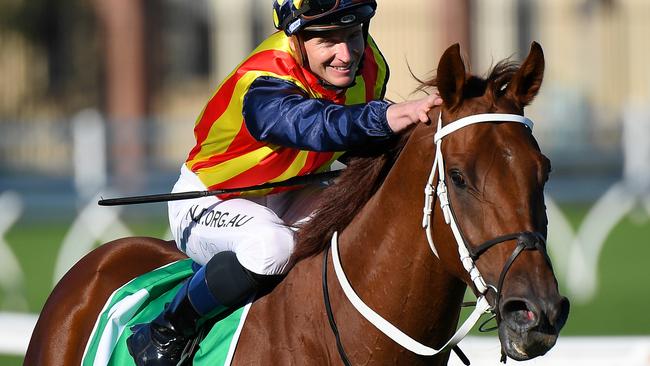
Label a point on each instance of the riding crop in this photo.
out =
(164, 197)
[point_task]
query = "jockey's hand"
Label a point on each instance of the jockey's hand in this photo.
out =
(402, 115)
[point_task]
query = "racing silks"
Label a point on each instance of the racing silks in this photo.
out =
(272, 119)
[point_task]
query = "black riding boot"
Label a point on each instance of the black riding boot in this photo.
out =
(221, 284)
(161, 342)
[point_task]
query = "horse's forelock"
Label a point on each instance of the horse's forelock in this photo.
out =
(497, 79)
(500, 76)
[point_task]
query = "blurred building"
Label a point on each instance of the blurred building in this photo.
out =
(148, 67)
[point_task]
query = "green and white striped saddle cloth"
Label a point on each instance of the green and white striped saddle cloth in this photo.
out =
(141, 300)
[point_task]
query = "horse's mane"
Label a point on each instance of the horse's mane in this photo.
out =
(341, 201)
(364, 175)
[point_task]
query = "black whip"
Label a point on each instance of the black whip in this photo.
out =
(164, 197)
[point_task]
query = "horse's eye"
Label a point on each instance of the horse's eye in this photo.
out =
(457, 178)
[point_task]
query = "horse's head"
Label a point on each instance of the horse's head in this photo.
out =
(495, 176)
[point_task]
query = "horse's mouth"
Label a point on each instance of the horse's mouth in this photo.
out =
(527, 345)
(526, 332)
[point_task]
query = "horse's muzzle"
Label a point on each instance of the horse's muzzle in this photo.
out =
(529, 329)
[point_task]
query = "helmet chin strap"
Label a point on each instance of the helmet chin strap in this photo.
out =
(298, 45)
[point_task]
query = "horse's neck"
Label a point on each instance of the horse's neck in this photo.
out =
(386, 256)
(388, 262)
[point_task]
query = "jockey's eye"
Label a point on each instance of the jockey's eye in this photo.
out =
(457, 178)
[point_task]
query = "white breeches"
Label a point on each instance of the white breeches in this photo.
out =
(249, 227)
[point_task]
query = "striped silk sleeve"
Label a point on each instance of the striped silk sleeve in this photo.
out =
(278, 112)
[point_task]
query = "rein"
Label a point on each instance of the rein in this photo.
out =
(468, 255)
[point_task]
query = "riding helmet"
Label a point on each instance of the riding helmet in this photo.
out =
(293, 16)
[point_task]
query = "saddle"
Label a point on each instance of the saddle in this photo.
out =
(140, 301)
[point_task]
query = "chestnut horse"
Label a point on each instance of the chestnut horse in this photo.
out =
(493, 201)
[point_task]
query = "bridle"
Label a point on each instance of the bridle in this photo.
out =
(468, 254)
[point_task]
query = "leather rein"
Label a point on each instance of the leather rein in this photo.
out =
(468, 254)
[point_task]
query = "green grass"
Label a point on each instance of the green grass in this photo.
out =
(36, 247)
(10, 361)
(619, 307)
(36, 244)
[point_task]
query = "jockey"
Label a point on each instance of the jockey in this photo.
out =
(303, 97)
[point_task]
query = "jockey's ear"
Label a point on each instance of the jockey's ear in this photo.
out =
(451, 76)
(526, 82)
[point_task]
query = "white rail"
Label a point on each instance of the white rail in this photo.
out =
(15, 332)
(569, 351)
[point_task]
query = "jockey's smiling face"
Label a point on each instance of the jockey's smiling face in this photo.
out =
(334, 55)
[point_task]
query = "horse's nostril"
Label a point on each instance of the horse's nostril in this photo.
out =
(559, 317)
(519, 315)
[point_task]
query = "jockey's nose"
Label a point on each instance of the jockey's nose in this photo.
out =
(344, 52)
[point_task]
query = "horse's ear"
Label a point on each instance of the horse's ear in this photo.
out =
(526, 82)
(450, 77)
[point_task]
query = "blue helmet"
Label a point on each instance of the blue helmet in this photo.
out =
(292, 16)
